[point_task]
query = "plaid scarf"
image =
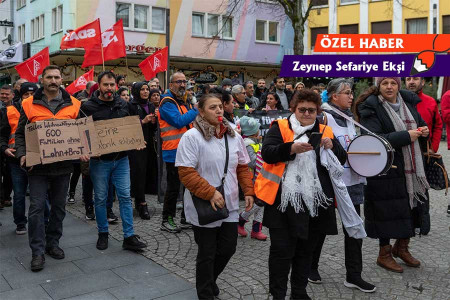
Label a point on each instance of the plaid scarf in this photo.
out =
(416, 181)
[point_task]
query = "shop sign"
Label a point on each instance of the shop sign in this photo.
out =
(140, 49)
(205, 78)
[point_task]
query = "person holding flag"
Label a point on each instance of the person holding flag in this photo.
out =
(49, 181)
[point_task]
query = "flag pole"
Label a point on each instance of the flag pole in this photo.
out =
(103, 58)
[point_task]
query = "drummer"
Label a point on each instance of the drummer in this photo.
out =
(340, 97)
(390, 199)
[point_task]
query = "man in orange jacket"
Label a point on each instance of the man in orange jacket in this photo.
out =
(51, 180)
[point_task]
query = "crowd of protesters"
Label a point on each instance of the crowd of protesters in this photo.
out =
(282, 178)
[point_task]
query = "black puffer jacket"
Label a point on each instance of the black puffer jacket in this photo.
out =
(386, 205)
(104, 110)
(53, 169)
(275, 150)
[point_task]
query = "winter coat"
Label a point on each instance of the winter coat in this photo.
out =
(274, 150)
(103, 110)
(429, 111)
(445, 110)
(386, 202)
(5, 131)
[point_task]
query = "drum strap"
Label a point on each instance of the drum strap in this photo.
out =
(327, 106)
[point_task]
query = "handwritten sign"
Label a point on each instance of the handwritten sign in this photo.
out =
(51, 141)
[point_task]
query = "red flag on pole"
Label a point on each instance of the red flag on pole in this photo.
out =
(155, 63)
(113, 41)
(33, 67)
(80, 83)
(85, 36)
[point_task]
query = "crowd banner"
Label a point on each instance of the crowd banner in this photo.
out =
(265, 118)
(51, 141)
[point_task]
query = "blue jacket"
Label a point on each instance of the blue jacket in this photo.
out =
(170, 113)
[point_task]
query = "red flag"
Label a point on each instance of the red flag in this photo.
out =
(113, 41)
(85, 36)
(33, 67)
(155, 63)
(80, 83)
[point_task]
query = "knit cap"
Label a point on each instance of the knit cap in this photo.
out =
(249, 126)
(378, 80)
(27, 87)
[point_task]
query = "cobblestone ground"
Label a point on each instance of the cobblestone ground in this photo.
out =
(246, 276)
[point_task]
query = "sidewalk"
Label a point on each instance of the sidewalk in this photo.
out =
(85, 273)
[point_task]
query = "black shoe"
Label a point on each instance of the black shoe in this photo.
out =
(55, 252)
(37, 262)
(112, 218)
(301, 297)
(133, 243)
(90, 215)
(360, 284)
(448, 210)
(143, 212)
(185, 224)
(216, 290)
(71, 198)
(314, 277)
(21, 229)
(102, 242)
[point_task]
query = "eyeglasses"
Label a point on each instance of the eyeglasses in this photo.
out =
(309, 110)
(180, 82)
(348, 93)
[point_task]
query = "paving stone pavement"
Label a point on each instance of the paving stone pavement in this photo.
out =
(246, 276)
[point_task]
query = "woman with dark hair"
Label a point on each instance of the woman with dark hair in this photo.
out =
(298, 193)
(140, 166)
(155, 97)
(201, 160)
(124, 93)
(272, 102)
(390, 200)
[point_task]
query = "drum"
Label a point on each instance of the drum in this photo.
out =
(370, 155)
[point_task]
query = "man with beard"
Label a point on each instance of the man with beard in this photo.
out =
(252, 101)
(49, 181)
(260, 89)
(175, 117)
(428, 110)
(113, 167)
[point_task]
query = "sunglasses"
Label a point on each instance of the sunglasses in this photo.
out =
(309, 110)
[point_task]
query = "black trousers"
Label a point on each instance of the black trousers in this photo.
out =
(74, 178)
(6, 181)
(172, 191)
(216, 246)
(138, 172)
(352, 249)
(286, 252)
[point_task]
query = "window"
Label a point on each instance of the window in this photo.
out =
(227, 27)
(21, 33)
(57, 19)
(123, 12)
(158, 19)
(446, 24)
(37, 28)
(198, 24)
(315, 32)
(416, 26)
(349, 1)
(381, 27)
(210, 25)
(267, 31)
(140, 17)
(213, 25)
(348, 29)
(21, 3)
(319, 2)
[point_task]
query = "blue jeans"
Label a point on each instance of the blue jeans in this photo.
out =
(20, 183)
(88, 193)
(118, 173)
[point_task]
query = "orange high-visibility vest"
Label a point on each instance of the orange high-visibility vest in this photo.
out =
(170, 136)
(269, 179)
(36, 112)
(13, 118)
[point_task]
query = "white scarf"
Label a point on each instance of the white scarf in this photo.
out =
(301, 185)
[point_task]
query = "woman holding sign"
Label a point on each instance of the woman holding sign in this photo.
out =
(297, 191)
(140, 159)
(212, 157)
(389, 200)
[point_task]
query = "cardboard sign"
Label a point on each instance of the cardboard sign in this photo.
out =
(51, 141)
(118, 135)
